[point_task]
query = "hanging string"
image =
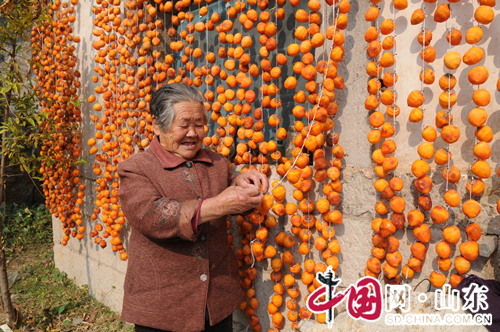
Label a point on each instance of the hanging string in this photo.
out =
(395, 62)
(422, 87)
(207, 66)
(423, 49)
(407, 267)
(472, 180)
(277, 98)
(377, 63)
(154, 57)
(294, 26)
(309, 131)
(251, 251)
(449, 107)
(191, 64)
(335, 16)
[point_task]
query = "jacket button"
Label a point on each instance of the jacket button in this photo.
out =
(203, 277)
(189, 164)
(203, 238)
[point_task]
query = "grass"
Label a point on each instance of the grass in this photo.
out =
(47, 298)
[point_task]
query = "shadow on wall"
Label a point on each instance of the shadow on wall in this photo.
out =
(20, 188)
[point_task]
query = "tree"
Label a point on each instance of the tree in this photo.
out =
(19, 105)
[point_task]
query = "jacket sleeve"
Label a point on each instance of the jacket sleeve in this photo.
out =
(157, 217)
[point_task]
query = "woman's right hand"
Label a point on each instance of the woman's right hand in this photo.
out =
(233, 200)
(238, 200)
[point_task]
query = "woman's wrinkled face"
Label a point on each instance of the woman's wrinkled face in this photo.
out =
(185, 135)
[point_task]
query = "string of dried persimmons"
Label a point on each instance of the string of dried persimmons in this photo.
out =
(296, 171)
(56, 85)
(386, 246)
(477, 117)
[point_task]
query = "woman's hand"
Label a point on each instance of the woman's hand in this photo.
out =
(252, 178)
(233, 200)
(237, 200)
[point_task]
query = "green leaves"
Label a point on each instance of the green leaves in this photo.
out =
(5, 89)
(76, 103)
(17, 22)
(59, 276)
(20, 130)
(27, 225)
(66, 323)
(60, 309)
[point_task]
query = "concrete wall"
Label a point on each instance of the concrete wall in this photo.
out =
(87, 264)
(103, 271)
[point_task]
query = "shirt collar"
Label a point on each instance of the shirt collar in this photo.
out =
(170, 160)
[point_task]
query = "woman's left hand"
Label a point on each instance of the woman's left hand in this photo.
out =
(252, 178)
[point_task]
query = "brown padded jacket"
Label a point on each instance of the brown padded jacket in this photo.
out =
(173, 274)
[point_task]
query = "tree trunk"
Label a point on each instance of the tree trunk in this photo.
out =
(4, 279)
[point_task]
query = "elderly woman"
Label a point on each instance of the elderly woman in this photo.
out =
(182, 274)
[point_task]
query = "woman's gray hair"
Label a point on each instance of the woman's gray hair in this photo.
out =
(164, 99)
